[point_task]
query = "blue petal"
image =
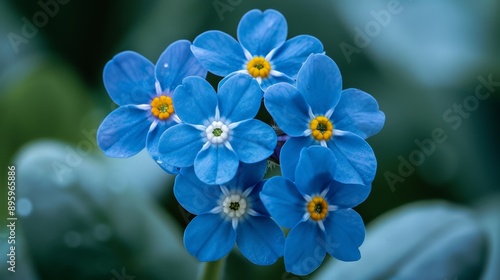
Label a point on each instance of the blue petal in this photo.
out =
(320, 82)
(358, 112)
(123, 132)
(290, 153)
(216, 165)
(347, 195)
(304, 248)
(152, 143)
(248, 175)
(356, 162)
(176, 63)
(272, 80)
(254, 199)
(289, 58)
(253, 141)
(230, 75)
(194, 195)
(260, 32)
(288, 108)
(209, 237)
(315, 170)
(345, 232)
(129, 79)
(195, 100)
(239, 98)
(283, 201)
(219, 53)
(260, 240)
(180, 144)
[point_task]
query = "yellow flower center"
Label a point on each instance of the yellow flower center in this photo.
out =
(317, 208)
(322, 128)
(162, 107)
(259, 67)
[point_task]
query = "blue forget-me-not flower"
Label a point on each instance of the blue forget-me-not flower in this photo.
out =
(144, 93)
(227, 214)
(318, 112)
(317, 208)
(217, 130)
(262, 51)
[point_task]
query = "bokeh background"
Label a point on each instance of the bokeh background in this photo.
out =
(434, 211)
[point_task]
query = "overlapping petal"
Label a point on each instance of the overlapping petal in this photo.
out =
(345, 232)
(218, 52)
(347, 195)
(283, 201)
(356, 162)
(260, 240)
(129, 79)
(304, 248)
(253, 141)
(195, 100)
(248, 175)
(291, 55)
(209, 238)
(194, 195)
(315, 170)
(273, 79)
(152, 142)
(260, 32)
(123, 132)
(180, 144)
(288, 108)
(358, 112)
(239, 98)
(255, 201)
(320, 81)
(176, 63)
(290, 153)
(216, 165)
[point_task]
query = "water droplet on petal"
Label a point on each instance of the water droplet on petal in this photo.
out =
(165, 65)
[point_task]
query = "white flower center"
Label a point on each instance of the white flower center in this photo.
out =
(234, 206)
(217, 132)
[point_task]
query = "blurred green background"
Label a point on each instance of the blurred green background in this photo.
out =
(84, 216)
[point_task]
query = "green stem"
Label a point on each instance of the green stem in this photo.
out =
(212, 270)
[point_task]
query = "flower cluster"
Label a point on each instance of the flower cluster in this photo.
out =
(219, 150)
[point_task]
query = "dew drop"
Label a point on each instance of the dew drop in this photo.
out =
(165, 65)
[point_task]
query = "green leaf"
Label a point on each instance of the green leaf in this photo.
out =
(91, 218)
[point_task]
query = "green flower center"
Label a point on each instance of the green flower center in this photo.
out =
(235, 206)
(163, 108)
(217, 132)
(321, 127)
